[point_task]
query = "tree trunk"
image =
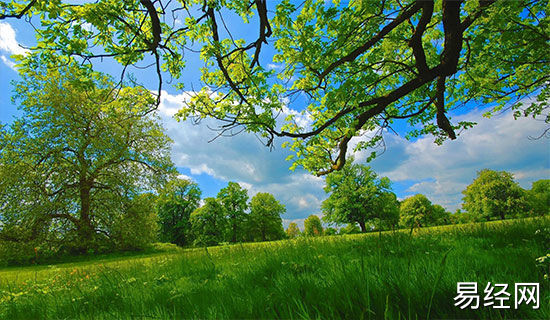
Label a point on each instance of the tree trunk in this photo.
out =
(85, 228)
(234, 236)
(363, 227)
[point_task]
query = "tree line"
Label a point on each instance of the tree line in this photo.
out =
(227, 218)
(86, 168)
(364, 202)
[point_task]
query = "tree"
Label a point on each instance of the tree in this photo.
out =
(539, 197)
(292, 231)
(494, 194)
(265, 217)
(234, 200)
(329, 231)
(362, 66)
(388, 218)
(357, 195)
(417, 211)
(176, 201)
(441, 216)
(312, 226)
(208, 223)
(137, 226)
(81, 152)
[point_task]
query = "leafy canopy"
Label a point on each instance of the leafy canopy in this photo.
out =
(313, 226)
(233, 199)
(494, 194)
(265, 217)
(78, 157)
(176, 201)
(357, 195)
(351, 68)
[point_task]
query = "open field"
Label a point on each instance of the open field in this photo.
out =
(389, 275)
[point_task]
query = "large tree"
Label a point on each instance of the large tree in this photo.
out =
(233, 199)
(208, 223)
(357, 195)
(265, 221)
(352, 68)
(81, 151)
(494, 194)
(176, 201)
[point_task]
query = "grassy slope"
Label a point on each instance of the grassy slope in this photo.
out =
(389, 275)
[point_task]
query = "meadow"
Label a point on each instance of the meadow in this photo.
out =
(389, 275)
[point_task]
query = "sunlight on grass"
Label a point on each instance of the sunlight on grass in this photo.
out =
(380, 275)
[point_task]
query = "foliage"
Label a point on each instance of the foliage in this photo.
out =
(417, 211)
(350, 228)
(233, 199)
(81, 150)
(539, 197)
(329, 231)
(388, 276)
(494, 194)
(208, 223)
(137, 227)
(441, 216)
(292, 231)
(357, 195)
(265, 217)
(176, 201)
(312, 226)
(363, 66)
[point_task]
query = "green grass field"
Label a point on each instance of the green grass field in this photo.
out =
(392, 275)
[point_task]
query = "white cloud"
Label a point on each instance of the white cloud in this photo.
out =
(275, 66)
(185, 177)
(8, 43)
(8, 62)
(242, 158)
(439, 172)
(442, 172)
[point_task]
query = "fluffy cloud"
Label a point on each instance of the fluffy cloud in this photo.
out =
(440, 172)
(8, 62)
(9, 45)
(242, 158)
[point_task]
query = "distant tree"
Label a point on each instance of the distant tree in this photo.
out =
(441, 216)
(494, 194)
(176, 201)
(329, 231)
(234, 200)
(417, 211)
(389, 214)
(539, 197)
(265, 217)
(463, 217)
(82, 149)
(208, 223)
(350, 228)
(313, 226)
(357, 195)
(293, 231)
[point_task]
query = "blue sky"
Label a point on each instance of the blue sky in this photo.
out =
(419, 166)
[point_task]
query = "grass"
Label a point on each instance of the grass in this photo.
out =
(390, 275)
